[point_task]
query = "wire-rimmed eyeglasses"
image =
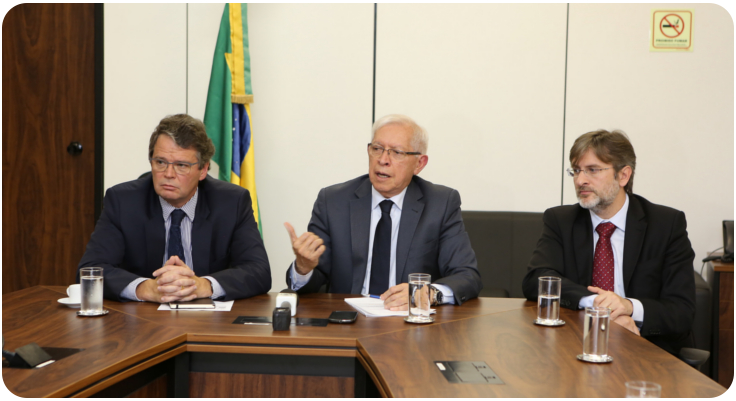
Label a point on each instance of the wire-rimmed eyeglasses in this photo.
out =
(396, 155)
(181, 168)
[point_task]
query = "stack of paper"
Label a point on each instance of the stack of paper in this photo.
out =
(372, 307)
(219, 307)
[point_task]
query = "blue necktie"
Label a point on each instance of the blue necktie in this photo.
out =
(175, 247)
(381, 262)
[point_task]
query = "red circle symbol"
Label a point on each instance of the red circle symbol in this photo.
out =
(672, 22)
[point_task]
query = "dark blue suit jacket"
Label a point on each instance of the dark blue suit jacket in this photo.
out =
(432, 238)
(130, 237)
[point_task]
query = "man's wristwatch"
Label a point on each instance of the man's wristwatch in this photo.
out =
(435, 295)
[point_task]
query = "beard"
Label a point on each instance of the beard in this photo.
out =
(599, 200)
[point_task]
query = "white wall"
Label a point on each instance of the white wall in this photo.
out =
(145, 80)
(677, 108)
(486, 80)
(483, 82)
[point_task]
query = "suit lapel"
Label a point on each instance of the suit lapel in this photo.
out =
(582, 234)
(155, 233)
(201, 234)
(636, 226)
(411, 211)
(360, 227)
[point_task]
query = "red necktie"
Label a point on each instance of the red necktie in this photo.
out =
(603, 259)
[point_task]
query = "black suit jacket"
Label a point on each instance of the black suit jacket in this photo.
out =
(130, 238)
(432, 238)
(657, 265)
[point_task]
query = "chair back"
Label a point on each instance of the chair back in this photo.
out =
(503, 243)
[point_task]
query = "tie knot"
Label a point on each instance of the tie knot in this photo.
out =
(176, 217)
(386, 206)
(605, 229)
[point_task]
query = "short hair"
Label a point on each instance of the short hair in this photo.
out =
(188, 133)
(610, 147)
(419, 138)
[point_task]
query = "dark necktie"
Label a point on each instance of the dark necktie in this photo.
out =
(175, 247)
(381, 262)
(603, 259)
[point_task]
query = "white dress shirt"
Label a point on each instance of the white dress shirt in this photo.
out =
(617, 244)
(298, 280)
(186, 241)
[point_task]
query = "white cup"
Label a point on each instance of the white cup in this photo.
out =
(74, 292)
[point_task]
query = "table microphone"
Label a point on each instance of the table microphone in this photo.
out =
(288, 299)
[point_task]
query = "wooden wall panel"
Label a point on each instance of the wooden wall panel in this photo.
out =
(236, 385)
(48, 102)
(155, 389)
(725, 330)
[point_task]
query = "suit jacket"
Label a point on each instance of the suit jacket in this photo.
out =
(432, 238)
(129, 240)
(657, 265)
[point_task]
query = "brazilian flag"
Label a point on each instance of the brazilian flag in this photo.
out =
(227, 114)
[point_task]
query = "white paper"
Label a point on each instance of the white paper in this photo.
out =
(372, 307)
(219, 307)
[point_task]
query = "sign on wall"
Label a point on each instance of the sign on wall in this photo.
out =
(671, 31)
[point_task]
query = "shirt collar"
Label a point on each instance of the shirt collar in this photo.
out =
(188, 207)
(619, 219)
(377, 198)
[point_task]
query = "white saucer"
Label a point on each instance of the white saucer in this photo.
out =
(431, 320)
(607, 359)
(68, 302)
(554, 323)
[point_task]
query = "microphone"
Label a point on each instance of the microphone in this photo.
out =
(288, 299)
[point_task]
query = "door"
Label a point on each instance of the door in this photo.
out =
(48, 104)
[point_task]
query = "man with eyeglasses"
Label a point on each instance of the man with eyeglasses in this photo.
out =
(616, 249)
(367, 234)
(177, 234)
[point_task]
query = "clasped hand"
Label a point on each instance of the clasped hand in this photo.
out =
(175, 281)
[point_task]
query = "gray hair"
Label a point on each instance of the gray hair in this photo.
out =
(419, 138)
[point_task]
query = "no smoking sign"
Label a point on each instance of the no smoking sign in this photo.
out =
(671, 30)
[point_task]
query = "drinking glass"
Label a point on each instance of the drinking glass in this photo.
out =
(419, 310)
(595, 335)
(91, 280)
(548, 302)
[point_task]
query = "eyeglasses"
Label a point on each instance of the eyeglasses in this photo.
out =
(181, 168)
(590, 172)
(396, 155)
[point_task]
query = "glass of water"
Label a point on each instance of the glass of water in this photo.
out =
(91, 280)
(419, 310)
(548, 302)
(595, 335)
(643, 389)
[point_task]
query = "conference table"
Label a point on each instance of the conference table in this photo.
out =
(137, 350)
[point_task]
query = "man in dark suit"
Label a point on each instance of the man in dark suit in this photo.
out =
(366, 235)
(616, 249)
(201, 230)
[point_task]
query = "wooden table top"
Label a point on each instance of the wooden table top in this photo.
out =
(111, 343)
(495, 330)
(532, 361)
(720, 266)
(218, 327)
